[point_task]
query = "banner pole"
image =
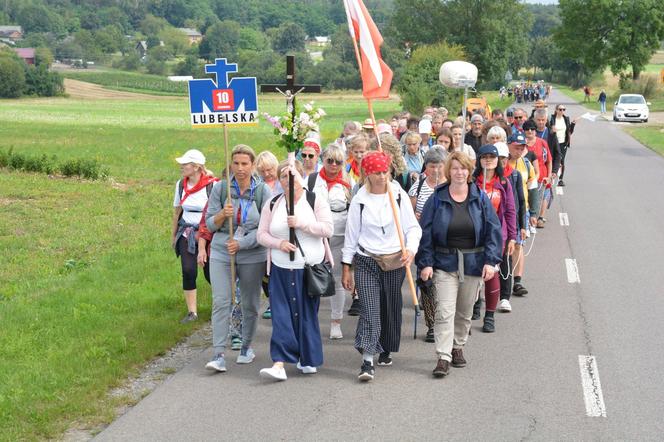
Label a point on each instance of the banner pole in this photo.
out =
(230, 220)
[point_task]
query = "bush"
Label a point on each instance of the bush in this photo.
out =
(646, 85)
(419, 85)
(12, 77)
(40, 81)
(86, 168)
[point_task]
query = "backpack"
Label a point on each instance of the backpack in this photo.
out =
(208, 190)
(362, 207)
(311, 199)
(258, 195)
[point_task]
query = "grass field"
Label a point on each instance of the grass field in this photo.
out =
(652, 136)
(129, 81)
(90, 288)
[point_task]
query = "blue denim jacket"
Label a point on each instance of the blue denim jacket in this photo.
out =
(435, 220)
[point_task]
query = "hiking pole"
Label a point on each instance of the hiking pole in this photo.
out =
(417, 314)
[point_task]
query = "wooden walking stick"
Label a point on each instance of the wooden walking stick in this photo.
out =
(230, 219)
(397, 221)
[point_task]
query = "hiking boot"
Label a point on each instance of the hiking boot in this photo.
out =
(218, 363)
(457, 358)
(191, 316)
(477, 314)
(429, 337)
(354, 309)
(267, 314)
(519, 290)
(442, 368)
(504, 306)
(384, 358)
(366, 372)
(489, 325)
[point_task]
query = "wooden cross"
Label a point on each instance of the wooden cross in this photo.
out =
(290, 90)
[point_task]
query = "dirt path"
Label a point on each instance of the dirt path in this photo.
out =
(84, 90)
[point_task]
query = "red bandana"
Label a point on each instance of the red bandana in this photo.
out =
(332, 181)
(354, 167)
(374, 162)
(507, 171)
(203, 181)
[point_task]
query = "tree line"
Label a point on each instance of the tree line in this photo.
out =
(565, 43)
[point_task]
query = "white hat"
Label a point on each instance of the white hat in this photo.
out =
(191, 156)
(503, 150)
(424, 127)
(384, 128)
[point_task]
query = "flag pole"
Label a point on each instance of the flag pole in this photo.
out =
(395, 215)
(229, 201)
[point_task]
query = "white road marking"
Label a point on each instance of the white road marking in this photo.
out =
(572, 271)
(592, 388)
(559, 190)
(564, 219)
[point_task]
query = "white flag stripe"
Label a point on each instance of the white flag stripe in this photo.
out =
(351, 19)
(366, 43)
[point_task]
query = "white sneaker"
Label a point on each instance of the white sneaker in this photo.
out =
(246, 359)
(335, 331)
(504, 306)
(306, 369)
(274, 373)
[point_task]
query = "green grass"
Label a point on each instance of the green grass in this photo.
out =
(654, 68)
(130, 81)
(652, 136)
(90, 286)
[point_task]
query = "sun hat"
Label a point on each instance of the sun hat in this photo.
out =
(191, 156)
(424, 127)
(368, 124)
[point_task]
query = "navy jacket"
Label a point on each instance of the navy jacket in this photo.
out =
(435, 220)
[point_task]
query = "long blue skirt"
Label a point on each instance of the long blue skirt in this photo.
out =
(295, 329)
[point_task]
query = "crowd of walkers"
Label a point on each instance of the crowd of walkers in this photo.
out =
(461, 210)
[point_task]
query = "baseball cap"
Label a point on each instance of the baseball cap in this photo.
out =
(487, 149)
(502, 149)
(191, 156)
(509, 111)
(517, 138)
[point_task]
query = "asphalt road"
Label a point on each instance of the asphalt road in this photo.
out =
(522, 383)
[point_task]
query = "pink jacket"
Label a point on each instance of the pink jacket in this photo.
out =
(321, 226)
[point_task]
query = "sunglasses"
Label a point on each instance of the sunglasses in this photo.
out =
(337, 162)
(311, 156)
(519, 118)
(529, 129)
(562, 109)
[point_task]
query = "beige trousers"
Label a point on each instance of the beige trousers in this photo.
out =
(454, 308)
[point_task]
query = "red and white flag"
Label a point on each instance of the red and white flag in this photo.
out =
(376, 75)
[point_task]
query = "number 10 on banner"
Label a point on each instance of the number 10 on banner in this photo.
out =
(222, 100)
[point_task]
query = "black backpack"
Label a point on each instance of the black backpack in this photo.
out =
(311, 199)
(208, 190)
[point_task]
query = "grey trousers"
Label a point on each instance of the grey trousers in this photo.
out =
(250, 276)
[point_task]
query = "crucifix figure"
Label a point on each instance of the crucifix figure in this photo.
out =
(290, 90)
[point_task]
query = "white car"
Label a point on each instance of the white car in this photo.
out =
(631, 107)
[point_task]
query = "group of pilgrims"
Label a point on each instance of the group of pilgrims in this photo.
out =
(466, 207)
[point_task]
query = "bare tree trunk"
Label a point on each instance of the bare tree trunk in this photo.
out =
(636, 73)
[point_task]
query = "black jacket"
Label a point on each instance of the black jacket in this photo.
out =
(473, 141)
(569, 128)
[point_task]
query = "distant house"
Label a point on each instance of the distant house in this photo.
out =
(192, 34)
(320, 40)
(142, 47)
(13, 33)
(27, 54)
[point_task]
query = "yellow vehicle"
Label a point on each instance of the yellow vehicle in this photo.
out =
(477, 103)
